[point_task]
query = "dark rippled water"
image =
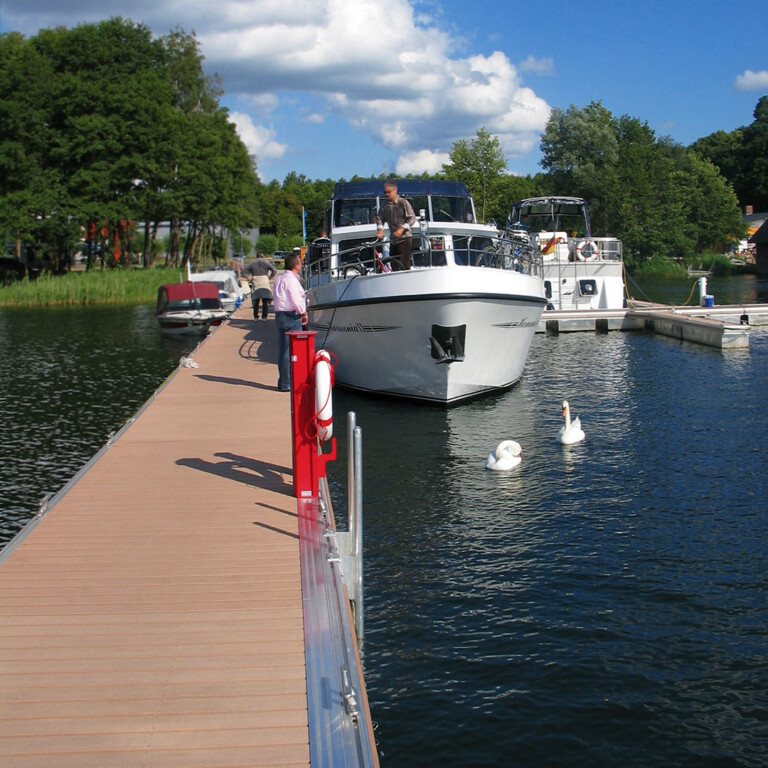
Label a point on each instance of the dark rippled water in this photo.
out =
(601, 605)
(68, 378)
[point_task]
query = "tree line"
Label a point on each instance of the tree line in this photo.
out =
(102, 126)
(663, 200)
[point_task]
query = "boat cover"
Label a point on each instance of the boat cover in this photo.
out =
(226, 279)
(200, 295)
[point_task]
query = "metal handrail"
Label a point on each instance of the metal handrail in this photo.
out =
(340, 728)
(506, 253)
(351, 542)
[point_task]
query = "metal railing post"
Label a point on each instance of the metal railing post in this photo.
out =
(357, 533)
(351, 477)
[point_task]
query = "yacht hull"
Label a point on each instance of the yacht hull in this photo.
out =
(439, 335)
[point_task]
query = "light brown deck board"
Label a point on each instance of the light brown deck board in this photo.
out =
(154, 616)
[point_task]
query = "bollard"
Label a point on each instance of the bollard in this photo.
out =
(308, 459)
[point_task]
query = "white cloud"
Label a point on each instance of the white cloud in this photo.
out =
(315, 118)
(390, 72)
(259, 139)
(264, 104)
(752, 81)
(544, 67)
(423, 161)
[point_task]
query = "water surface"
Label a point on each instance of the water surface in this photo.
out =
(70, 377)
(600, 605)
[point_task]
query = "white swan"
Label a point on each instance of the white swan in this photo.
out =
(571, 432)
(506, 456)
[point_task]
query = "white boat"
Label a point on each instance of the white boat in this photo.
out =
(189, 308)
(230, 292)
(580, 271)
(459, 323)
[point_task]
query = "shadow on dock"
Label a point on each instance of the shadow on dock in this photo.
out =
(242, 469)
(260, 341)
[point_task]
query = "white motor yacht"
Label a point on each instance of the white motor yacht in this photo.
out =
(459, 323)
(580, 271)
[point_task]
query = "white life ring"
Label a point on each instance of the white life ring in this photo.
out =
(323, 398)
(592, 251)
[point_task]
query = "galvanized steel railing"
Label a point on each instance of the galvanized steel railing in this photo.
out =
(340, 728)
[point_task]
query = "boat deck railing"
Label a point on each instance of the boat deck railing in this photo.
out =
(372, 257)
(569, 248)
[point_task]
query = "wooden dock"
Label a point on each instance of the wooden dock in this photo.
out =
(153, 616)
(725, 327)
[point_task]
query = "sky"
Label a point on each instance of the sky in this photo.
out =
(334, 88)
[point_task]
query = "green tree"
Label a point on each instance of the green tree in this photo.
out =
(580, 151)
(30, 186)
(480, 164)
(102, 125)
(655, 195)
(742, 157)
(755, 159)
(280, 214)
(711, 208)
(313, 196)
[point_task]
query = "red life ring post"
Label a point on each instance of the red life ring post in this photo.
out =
(308, 459)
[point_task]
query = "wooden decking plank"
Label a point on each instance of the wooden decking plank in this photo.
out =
(154, 616)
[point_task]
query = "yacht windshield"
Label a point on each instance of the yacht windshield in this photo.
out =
(452, 209)
(348, 213)
(551, 215)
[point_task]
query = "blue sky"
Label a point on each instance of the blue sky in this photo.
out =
(333, 88)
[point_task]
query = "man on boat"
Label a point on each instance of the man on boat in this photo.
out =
(397, 213)
(290, 314)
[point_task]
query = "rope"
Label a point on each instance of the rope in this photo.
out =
(628, 277)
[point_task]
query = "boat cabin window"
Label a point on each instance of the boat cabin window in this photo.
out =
(183, 305)
(418, 203)
(551, 218)
(588, 287)
(348, 213)
(452, 209)
(548, 289)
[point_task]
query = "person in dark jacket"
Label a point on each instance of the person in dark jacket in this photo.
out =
(397, 213)
(258, 273)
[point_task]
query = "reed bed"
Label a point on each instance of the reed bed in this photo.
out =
(97, 287)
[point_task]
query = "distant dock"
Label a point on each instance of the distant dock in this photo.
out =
(725, 326)
(154, 613)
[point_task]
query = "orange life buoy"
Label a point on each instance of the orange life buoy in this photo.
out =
(323, 398)
(587, 250)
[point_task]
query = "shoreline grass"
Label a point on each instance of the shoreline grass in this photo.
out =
(117, 287)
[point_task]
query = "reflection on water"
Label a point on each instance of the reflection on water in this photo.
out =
(70, 378)
(725, 288)
(600, 605)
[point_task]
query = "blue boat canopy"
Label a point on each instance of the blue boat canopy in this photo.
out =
(348, 190)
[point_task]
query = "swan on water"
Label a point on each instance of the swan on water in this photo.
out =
(571, 432)
(506, 456)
